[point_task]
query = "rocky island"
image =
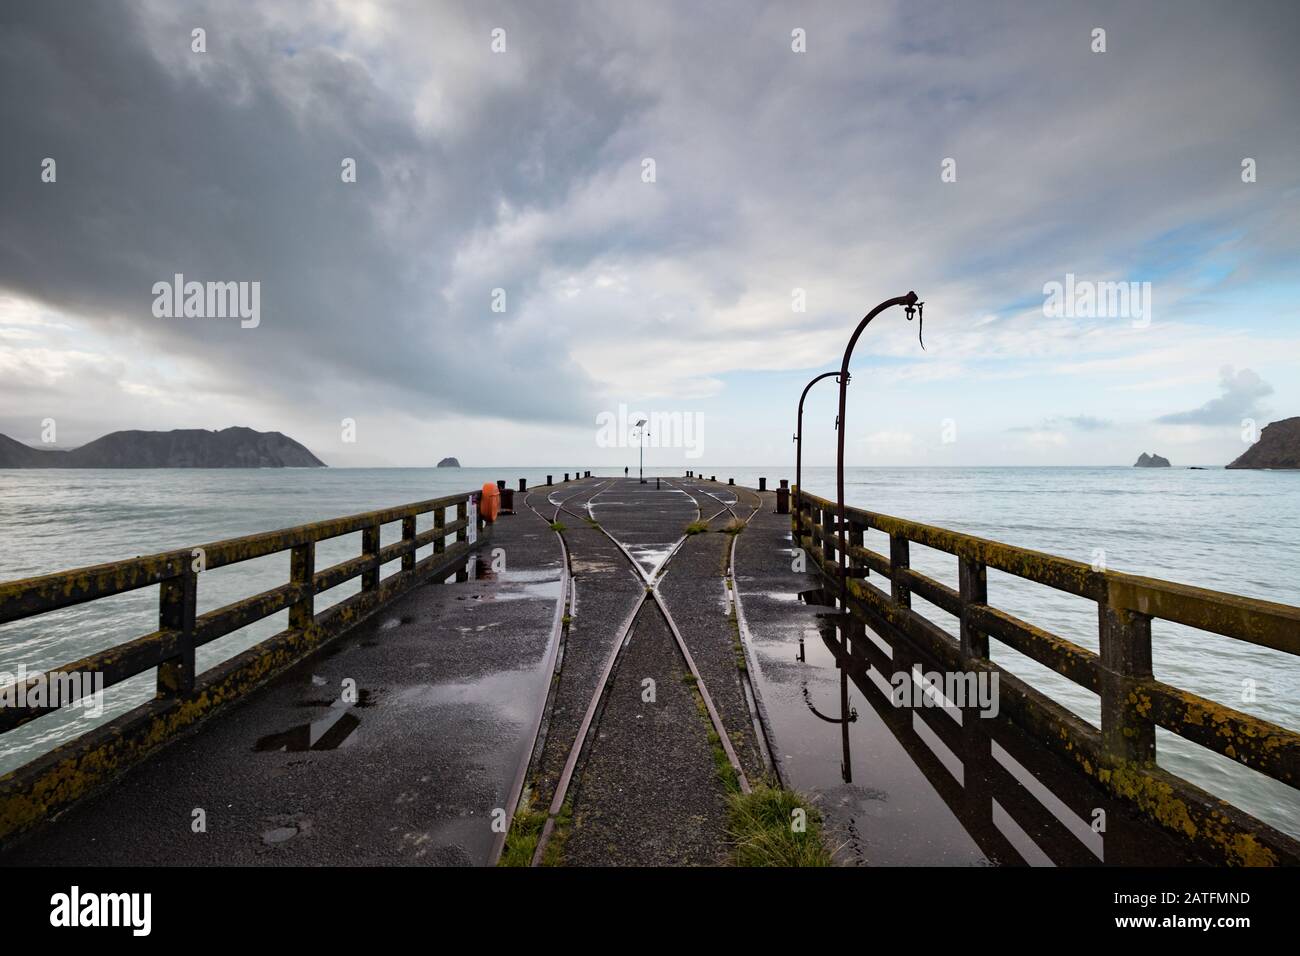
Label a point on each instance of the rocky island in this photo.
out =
(449, 463)
(1151, 461)
(1278, 447)
(181, 448)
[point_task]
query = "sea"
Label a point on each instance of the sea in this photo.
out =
(1233, 531)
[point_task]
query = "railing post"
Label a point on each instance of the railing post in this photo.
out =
(176, 604)
(899, 560)
(857, 538)
(828, 536)
(370, 548)
(408, 536)
(1125, 659)
(462, 535)
(302, 571)
(973, 583)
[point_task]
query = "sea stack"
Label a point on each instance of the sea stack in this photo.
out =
(1151, 461)
(1278, 447)
(449, 463)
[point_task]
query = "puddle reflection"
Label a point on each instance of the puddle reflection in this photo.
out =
(948, 786)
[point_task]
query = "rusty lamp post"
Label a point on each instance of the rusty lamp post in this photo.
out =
(913, 309)
(798, 459)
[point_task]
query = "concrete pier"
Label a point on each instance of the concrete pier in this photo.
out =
(609, 665)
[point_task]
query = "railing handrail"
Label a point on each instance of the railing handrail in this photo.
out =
(1122, 756)
(1254, 620)
(25, 597)
(181, 630)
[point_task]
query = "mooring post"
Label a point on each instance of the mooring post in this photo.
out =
(1126, 735)
(783, 505)
(523, 484)
(501, 484)
(566, 476)
(302, 572)
(549, 480)
(762, 484)
(176, 603)
(731, 481)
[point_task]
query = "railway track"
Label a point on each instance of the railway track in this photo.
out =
(650, 578)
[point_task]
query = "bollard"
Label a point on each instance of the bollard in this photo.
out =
(714, 478)
(731, 481)
(507, 500)
(656, 484)
(523, 484)
(549, 481)
(783, 498)
(501, 484)
(762, 484)
(566, 476)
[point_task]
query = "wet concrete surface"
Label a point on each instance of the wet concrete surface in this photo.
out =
(445, 686)
(449, 680)
(908, 786)
(646, 520)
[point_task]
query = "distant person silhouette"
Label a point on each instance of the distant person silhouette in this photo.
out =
(625, 471)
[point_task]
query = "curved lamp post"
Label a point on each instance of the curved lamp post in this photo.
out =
(912, 308)
(798, 459)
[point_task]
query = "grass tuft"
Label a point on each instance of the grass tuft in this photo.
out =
(697, 527)
(556, 526)
(525, 830)
(761, 828)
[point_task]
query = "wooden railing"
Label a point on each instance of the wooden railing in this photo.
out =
(51, 782)
(1122, 755)
(171, 648)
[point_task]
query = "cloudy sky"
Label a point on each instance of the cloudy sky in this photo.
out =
(974, 152)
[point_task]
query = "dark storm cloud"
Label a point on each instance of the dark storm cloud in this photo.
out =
(226, 166)
(521, 171)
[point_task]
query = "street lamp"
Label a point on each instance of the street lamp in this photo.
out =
(798, 460)
(641, 470)
(912, 308)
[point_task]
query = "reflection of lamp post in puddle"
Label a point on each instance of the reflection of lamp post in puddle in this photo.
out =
(640, 425)
(848, 715)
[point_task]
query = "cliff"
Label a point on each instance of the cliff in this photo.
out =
(1278, 447)
(182, 448)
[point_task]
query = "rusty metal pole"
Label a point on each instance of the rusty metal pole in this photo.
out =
(798, 459)
(909, 301)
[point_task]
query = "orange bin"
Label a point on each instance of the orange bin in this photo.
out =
(489, 502)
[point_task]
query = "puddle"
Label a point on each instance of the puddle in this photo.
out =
(287, 830)
(540, 589)
(328, 733)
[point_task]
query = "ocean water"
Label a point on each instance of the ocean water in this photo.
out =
(1234, 531)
